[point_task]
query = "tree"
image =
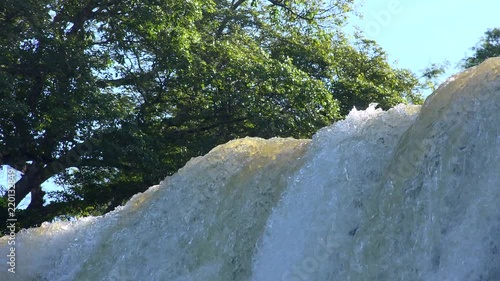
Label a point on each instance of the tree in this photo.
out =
(112, 96)
(487, 47)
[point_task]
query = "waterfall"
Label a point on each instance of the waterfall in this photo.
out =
(411, 193)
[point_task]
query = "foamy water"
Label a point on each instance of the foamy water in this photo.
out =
(406, 194)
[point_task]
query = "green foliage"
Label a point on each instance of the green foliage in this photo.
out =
(112, 96)
(364, 76)
(432, 73)
(487, 47)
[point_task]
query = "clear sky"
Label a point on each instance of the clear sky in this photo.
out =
(416, 33)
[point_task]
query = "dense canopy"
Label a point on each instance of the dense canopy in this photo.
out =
(487, 47)
(111, 96)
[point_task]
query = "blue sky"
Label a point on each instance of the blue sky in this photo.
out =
(416, 33)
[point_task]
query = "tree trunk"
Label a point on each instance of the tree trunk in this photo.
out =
(36, 198)
(37, 173)
(31, 180)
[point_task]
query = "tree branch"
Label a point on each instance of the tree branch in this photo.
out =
(37, 173)
(208, 127)
(223, 24)
(128, 80)
(290, 10)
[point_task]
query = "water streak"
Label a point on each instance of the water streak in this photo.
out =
(406, 194)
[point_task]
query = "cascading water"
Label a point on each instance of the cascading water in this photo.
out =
(406, 194)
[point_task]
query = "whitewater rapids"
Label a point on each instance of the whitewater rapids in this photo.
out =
(411, 193)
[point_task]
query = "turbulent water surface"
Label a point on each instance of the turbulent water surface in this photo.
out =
(411, 193)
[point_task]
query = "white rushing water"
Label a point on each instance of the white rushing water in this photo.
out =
(411, 193)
